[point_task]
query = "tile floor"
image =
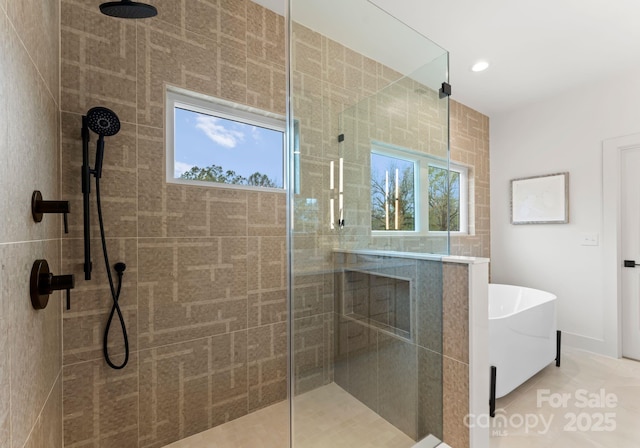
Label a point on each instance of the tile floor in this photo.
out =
(591, 401)
(567, 407)
(327, 417)
(266, 428)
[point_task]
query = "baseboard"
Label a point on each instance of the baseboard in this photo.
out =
(588, 344)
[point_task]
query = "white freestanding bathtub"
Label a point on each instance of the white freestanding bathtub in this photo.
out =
(522, 334)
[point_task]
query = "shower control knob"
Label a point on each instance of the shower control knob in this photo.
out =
(43, 283)
(40, 207)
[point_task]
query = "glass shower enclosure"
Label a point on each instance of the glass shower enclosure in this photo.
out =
(368, 186)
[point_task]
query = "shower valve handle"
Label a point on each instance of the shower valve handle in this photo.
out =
(40, 207)
(43, 283)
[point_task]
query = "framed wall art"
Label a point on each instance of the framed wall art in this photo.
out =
(540, 199)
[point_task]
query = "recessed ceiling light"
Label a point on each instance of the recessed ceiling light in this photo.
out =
(480, 66)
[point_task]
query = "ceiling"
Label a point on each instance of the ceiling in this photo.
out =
(536, 48)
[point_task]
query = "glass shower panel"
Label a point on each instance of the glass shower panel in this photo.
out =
(367, 119)
(389, 142)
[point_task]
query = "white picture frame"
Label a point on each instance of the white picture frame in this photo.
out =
(540, 199)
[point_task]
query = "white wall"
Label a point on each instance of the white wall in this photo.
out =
(562, 133)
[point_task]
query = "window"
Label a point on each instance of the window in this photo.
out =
(449, 207)
(416, 192)
(213, 142)
(392, 193)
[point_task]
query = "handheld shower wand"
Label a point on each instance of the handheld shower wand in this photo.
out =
(105, 123)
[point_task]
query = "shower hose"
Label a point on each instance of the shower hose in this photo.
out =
(115, 293)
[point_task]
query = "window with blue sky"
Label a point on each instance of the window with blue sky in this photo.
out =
(218, 147)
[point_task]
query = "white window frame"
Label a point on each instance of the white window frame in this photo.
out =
(463, 172)
(384, 149)
(203, 104)
(422, 162)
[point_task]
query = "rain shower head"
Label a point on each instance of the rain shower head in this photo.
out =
(127, 9)
(103, 121)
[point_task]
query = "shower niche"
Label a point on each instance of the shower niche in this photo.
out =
(379, 300)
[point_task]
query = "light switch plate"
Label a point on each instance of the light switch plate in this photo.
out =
(590, 239)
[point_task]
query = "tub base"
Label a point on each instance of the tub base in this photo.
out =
(558, 338)
(492, 396)
(494, 376)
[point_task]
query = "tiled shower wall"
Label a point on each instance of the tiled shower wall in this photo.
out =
(30, 340)
(205, 287)
(469, 143)
(204, 294)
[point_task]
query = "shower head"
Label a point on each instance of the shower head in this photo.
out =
(103, 121)
(127, 9)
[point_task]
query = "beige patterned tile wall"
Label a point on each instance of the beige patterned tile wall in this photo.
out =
(84, 323)
(193, 386)
(204, 293)
(101, 404)
(30, 340)
(455, 362)
(191, 288)
(267, 364)
(470, 146)
(455, 312)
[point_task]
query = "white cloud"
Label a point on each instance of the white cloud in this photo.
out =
(179, 168)
(218, 133)
(255, 133)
